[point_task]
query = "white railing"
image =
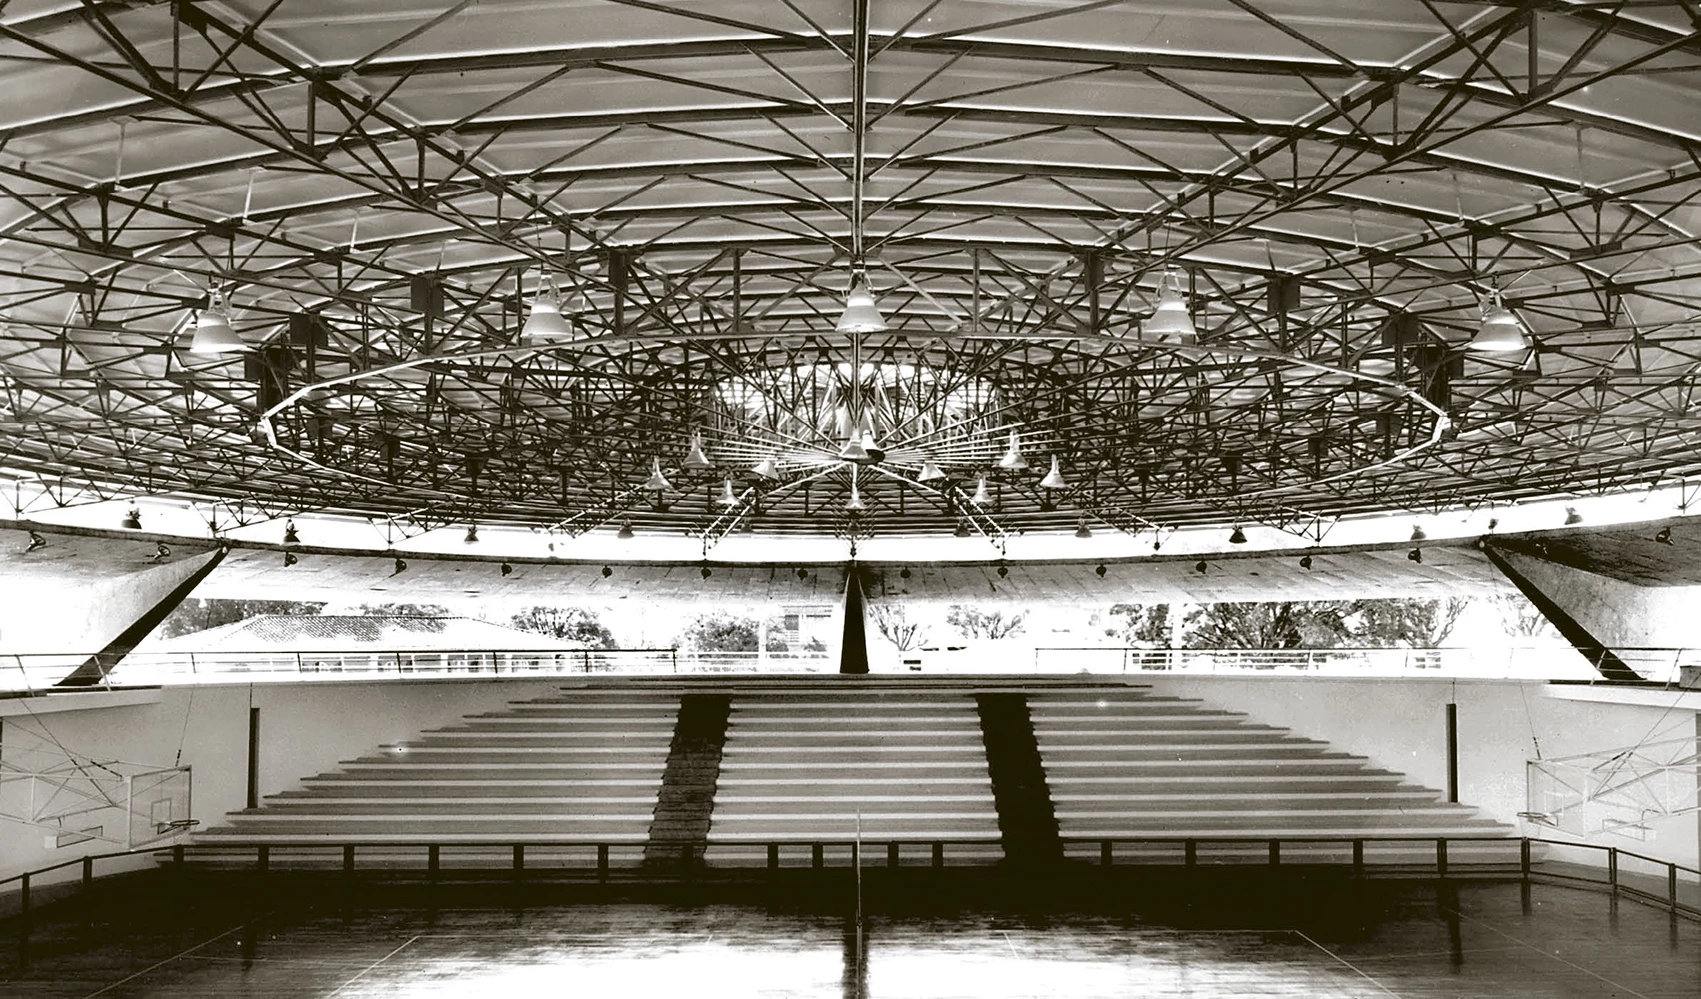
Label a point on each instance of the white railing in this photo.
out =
(39, 672)
(1550, 662)
(145, 669)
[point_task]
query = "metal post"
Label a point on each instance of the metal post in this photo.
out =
(262, 858)
(891, 854)
(431, 861)
(88, 874)
(1524, 858)
(1441, 858)
(1358, 856)
(177, 854)
(1105, 853)
(348, 859)
(773, 856)
(1671, 885)
(938, 854)
(602, 861)
(1612, 868)
(1190, 853)
(816, 859)
(519, 858)
(24, 903)
(1275, 853)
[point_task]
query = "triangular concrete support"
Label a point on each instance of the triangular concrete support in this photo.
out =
(853, 651)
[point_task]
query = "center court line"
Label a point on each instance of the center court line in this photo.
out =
(362, 972)
(1524, 943)
(1355, 968)
(161, 964)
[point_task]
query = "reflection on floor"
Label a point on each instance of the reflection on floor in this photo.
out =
(1405, 939)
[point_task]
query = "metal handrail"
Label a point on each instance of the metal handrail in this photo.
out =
(1190, 847)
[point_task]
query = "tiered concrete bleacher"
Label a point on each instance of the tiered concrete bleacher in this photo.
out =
(800, 764)
(584, 765)
(1122, 762)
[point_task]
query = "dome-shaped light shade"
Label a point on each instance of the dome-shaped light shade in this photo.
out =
(132, 519)
(1083, 531)
(290, 535)
(860, 315)
(855, 502)
(213, 334)
(657, 482)
(1013, 459)
(695, 459)
(1054, 478)
(853, 449)
(981, 496)
(545, 320)
(1500, 330)
(1237, 537)
(929, 472)
(624, 534)
(472, 534)
(767, 468)
(727, 496)
(1171, 318)
(962, 530)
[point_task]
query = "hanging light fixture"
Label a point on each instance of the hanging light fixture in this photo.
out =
(853, 449)
(1305, 561)
(981, 496)
(1663, 536)
(1415, 555)
(624, 534)
(1418, 533)
(545, 321)
(1572, 517)
(1237, 536)
(1013, 460)
(962, 530)
(695, 459)
(132, 518)
(472, 534)
(37, 542)
(290, 559)
(213, 333)
(929, 472)
(401, 567)
(507, 569)
(1200, 566)
(1054, 478)
(727, 496)
(861, 315)
(767, 468)
(1170, 318)
(657, 482)
(1081, 529)
(855, 503)
(1500, 329)
(290, 535)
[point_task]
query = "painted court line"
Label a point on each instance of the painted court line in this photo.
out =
(160, 964)
(1627, 990)
(362, 972)
(1355, 968)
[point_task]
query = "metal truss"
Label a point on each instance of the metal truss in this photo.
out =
(702, 187)
(1616, 790)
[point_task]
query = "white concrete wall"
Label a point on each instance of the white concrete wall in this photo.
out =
(305, 729)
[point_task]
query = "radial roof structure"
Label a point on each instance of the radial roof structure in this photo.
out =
(584, 267)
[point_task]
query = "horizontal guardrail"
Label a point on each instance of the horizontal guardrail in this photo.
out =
(1362, 856)
(29, 672)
